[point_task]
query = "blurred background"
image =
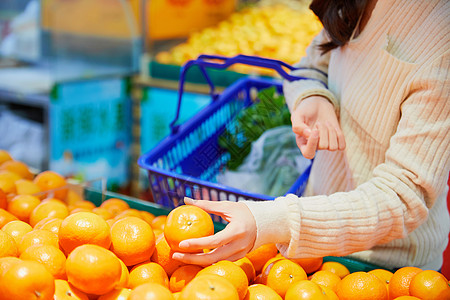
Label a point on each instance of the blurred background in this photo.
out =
(87, 86)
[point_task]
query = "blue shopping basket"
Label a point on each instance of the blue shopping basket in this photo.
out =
(187, 162)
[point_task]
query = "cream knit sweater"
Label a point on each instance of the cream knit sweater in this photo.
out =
(382, 199)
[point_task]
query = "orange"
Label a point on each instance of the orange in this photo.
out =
(310, 265)
(209, 287)
(336, 268)
(115, 205)
(187, 222)
(4, 156)
(88, 205)
(102, 212)
(147, 216)
(52, 225)
(84, 228)
(159, 222)
(22, 205)
(73, 197)
(326, 278)
(162, 255)
(41, 223)
(50, 256)
(130, 212)
(230, 271)
(182, 276)
(3, 199)
(267, 266)
(17, 229)
(382, 274)
(93, 269)
(7, 182)
(17, 167)
(117, 294)
(27, 280)
(53, 183)
(305, 290)
(147, 272)
(429, 284)
(176, 295)
(282, 274)
(261, 255)
(123, 281)
(6, 217)
(48, 208)
(8, 246)
(150, 291)
(261, 292)
(361, 285)
(407, 298)
(66, 291)
(132, 240)
(26, 187)
(400, 281)
(38, 237)
(246, 265)
(79, 209)
(6, 263)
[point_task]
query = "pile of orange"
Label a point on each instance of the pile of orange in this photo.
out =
(56, 245)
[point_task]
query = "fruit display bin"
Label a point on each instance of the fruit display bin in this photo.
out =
(188, 161)
(97, 196)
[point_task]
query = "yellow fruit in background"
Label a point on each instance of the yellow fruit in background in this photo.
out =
(18, 168)
(26, 187)
(4, 156)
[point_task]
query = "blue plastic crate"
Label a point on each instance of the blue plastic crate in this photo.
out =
(187, 162)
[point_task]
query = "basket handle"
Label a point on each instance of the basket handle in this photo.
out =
(212, 61)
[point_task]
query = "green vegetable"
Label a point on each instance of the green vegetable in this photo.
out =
(268, 111)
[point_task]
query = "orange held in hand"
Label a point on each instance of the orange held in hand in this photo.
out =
(187, 222)
(93, 269)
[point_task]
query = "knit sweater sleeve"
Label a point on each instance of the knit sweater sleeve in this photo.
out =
(313, 66)
(394, 202)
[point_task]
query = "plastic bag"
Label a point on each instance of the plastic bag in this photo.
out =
(272, 167)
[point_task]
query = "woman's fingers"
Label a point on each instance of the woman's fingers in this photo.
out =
(208, 242)
(309, 149)
(332, 137)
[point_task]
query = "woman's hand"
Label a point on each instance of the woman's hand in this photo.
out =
(316, 126)
(231, 243)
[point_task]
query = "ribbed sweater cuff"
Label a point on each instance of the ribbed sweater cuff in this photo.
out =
(271, 221)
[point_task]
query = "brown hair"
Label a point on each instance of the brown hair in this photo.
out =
(339, 18)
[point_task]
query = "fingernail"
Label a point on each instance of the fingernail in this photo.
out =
(176, 255)
(188, 200)
(183, 244)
